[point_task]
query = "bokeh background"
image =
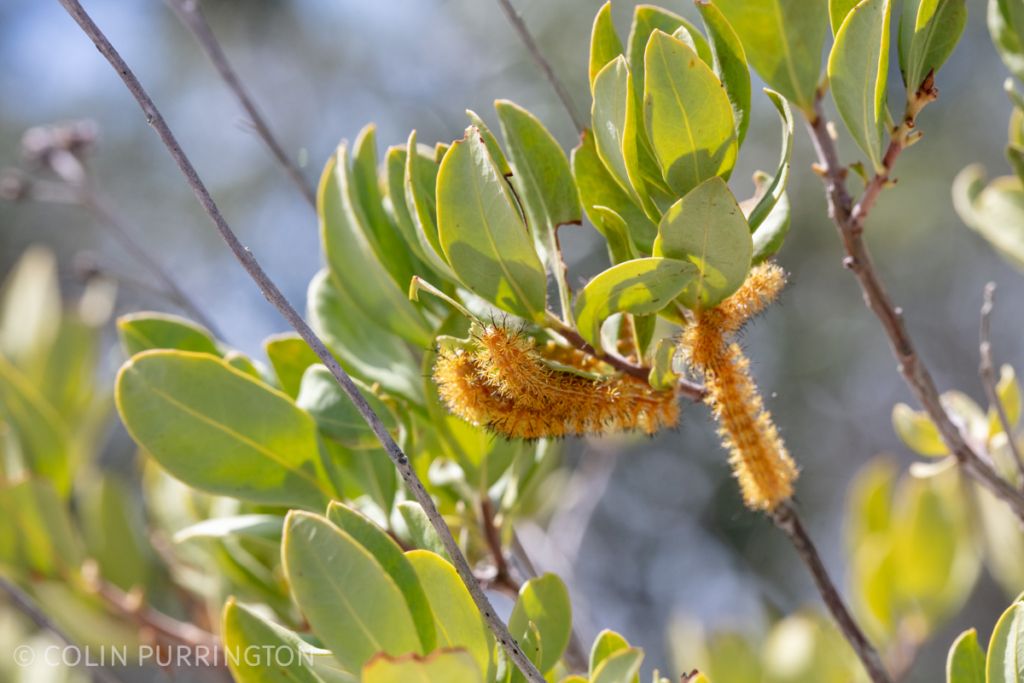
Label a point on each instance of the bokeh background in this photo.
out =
(645, 532)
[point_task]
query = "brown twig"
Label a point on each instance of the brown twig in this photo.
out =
(74, 187)
(545, 66)
(132, 607)
(849, 221)
(21, 600)
(492, 534)
(691, 390)
(788, 521)
(288, 312)
(987, 371)
(192, 17)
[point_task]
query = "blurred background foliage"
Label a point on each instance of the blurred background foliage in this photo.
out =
(645, 532)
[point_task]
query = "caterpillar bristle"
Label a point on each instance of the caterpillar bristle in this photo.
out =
(502, 382)
(758, 456)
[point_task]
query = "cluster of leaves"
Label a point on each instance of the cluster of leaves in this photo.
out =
(996, 209)
(58, 504)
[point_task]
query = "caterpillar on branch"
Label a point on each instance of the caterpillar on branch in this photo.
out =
(504, 382)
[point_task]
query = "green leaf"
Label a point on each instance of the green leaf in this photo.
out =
(395, 161)
(44, 539)
(598, 188)
(353, 262)
(995, 211)
(1008, 391)
(420, 193)
(391, 559)
(917, 431)
(605, 645)
(367, 203)
(448, 666)
(837, 11)
(459, 624)
(688, 115)
(257, 527)
(482, 233)
(707, 228)
(144, 331)
(257, 649)
(42, 438)
(30, 309)
(289, 355)
(730, 64)
(615, 232)
(929, 32)
(604, 42)
(770, 235)
(1006, 24)
(614, 123)
(115, 532)
(663, 374)
(493, 148)
(335, 413)
(365, 350)
(1005, 662)
(639, 286)
(621, 667)
(421, 531)
(966, 662)
(776, 189)
(353, 605)
(544, 601)
(858, 73)
(221, 431)
(646, 20)
(783, 40)
(541, 173)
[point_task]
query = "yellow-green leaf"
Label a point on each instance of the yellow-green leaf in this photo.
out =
(729, 63)
(604, 42)
(260, 651)
(353, 605)
(707, 229)
(639, 286)
(621, 667)
(220, 430)
(783, 40)
(391, 559)
(458, 621)
(544, 602)
(450, 666)
(482, 234)
(929, 32)
(688, 115)
(917, 431)
(1008, 391)
(353, 261)
(289, 355)
(148, 330)
(858, 73)
(966, 661)
(1005, 662)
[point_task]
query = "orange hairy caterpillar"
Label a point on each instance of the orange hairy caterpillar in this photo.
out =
(502, 381)
(759, 458)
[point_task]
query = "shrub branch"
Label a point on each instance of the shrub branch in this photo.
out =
(849, 218)
(192, 17)
(274, 296)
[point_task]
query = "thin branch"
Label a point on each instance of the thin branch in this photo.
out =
(788, 521)
(21, 600)
(849, 221)
(192, 17)
(545, 66)
(131, 607)
(492, 534)
(278, 300)
(987, 371)
(74, 187)
(693, 391)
